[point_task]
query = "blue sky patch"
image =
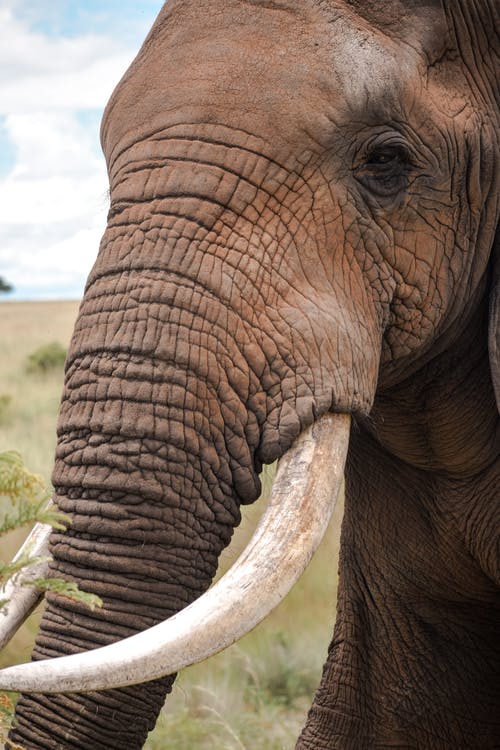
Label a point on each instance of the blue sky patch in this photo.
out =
(90, 120)
(128, 19)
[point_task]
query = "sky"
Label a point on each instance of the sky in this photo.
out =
(59, 63)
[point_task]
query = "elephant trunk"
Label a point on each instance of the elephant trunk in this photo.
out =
(145, 467)
(190, 364)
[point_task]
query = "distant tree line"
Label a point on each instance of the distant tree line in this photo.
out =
(5, 286)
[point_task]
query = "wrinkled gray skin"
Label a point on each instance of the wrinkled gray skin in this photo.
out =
(303, 205)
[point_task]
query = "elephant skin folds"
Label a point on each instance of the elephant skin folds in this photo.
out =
(304, 198)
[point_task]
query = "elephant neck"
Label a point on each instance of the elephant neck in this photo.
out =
(444, 419)
(418, 566)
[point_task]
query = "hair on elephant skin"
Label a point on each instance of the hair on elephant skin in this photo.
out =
(304, 199)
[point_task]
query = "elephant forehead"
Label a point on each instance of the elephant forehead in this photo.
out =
(272, 69)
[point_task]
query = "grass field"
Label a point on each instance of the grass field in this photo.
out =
(253, 696)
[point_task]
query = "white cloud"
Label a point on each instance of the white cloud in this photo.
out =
(56, 73)
(54, 266)
(51, 144)
(53, 197)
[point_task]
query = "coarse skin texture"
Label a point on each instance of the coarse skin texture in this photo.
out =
(304, 197)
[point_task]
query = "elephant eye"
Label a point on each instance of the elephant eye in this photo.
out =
(385, 169)
(385, 156)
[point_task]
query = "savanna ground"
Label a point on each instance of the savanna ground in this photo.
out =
(253, 696)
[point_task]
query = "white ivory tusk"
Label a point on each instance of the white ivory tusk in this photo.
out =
(307, 482)
(23, 599)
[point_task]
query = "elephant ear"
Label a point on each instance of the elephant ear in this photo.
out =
(494, 322)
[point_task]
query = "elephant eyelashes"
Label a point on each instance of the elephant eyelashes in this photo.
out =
(385, 170)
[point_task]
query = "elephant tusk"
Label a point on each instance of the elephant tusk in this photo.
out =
(22, 599)
(307, 483)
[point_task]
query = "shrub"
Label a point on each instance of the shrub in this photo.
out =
(5, 286)
(46, 358)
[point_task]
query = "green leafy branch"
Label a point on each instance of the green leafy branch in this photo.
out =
(66, 588)
(28, 500)
(28, 496)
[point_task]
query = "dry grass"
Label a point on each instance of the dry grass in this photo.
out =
(255, 695)
(28, 424)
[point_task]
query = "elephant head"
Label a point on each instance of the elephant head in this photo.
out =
(304, 198)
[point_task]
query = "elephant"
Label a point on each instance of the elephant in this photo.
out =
(301, 236)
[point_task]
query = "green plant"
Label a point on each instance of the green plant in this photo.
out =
(46, 358)
(29, 499)
(27, 496)
(7, 708)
